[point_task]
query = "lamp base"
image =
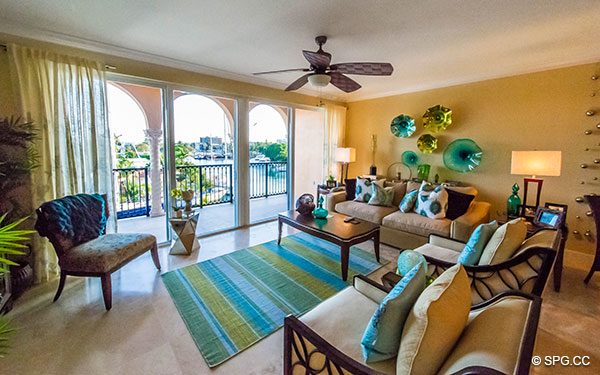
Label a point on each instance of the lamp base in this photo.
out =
(526, 183)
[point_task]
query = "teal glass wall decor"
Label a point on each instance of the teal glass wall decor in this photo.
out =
(423, 172)
(403, 126)
(410, 158)
(462, 155)
(320, 212)
(437, 118)
(427, 143)
(514, 201)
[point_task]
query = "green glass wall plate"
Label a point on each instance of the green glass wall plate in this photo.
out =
(462, 155)
(427, 143)
(410, 158)
(437, 118)
(403, 126)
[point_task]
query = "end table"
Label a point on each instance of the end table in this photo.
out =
(390, 279)
(185, 229)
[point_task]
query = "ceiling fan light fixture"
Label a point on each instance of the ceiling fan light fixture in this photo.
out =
(319, 80)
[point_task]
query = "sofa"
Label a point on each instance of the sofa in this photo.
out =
(327, 340)
(411, 230)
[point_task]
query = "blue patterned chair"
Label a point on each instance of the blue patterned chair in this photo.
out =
(75, 225)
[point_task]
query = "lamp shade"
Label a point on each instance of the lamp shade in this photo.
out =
(319, 80)
(345, 154)
(536, 163)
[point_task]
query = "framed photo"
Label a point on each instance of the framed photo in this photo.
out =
(557, 206)
(527, 212)
(549, 218)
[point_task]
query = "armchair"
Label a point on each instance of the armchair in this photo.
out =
(75, 225)
(327, 339)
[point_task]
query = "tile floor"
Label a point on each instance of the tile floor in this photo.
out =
(143, 333)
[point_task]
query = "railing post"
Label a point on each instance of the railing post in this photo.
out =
(230, 182)
(267, 180)
(147, 197)
(201, 183)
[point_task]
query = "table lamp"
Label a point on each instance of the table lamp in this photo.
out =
(345, 155)
(535, 164)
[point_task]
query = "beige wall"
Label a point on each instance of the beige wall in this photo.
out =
(544, 111)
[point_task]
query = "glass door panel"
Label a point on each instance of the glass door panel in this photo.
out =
(309, 151)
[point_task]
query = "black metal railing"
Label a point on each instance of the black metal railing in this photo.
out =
(211, 183)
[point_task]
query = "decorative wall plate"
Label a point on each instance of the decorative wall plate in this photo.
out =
(427, 143)
(462, 155)
(410, 158)
(437, 118)
(403, 126)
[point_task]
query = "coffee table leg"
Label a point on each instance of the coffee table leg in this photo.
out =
(376, 245)
(280, 224)
(345, 255)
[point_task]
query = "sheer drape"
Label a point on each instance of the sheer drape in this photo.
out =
(335, 133)
(66, 98)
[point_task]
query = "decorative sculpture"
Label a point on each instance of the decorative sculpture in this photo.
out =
(437, 118)
(462, 155)
(305, 204)
(403, 126)
(427, 143)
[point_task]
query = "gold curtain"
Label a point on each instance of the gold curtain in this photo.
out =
(66, 98)
(335, 134)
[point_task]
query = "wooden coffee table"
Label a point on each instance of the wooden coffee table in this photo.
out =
(333, 230)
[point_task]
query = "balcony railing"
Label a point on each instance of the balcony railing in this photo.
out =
(212, 184)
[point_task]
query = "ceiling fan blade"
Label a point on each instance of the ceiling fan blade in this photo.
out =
(319, 59)
(364, 68)
(298, 83)
(283, 71)
(343, 83)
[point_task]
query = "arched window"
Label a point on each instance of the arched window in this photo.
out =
(267, 124)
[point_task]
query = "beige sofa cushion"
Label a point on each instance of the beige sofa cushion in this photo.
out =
(412, 185)
(504, 242)
(364, 211)
(343, 327)
(492, 337)
(435, 323)
(414, 223)
(438, 252)
(399, 191)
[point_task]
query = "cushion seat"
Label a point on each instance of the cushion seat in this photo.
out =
(438, 252)
(414, 223)
(364, 211)
(343, 327)
(106, 253)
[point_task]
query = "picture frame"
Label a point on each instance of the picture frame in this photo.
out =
(557, 206)
(527, 212)
(549, 218)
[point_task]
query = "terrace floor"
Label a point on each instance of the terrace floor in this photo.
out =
(212, 218)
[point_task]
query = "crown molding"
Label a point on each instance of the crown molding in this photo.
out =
(12, 28)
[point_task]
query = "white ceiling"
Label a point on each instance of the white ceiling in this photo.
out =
(431, 43)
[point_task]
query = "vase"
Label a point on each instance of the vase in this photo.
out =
(178, 214)
(320, 212)
(423, 172)
(513, 202)
(373, 170)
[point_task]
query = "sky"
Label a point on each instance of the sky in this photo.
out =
(195, 116)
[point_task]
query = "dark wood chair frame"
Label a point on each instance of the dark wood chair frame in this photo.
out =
(105, 277)
(296, 333)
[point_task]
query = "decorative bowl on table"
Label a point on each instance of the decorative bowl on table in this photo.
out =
(403, 126)
(305, 204)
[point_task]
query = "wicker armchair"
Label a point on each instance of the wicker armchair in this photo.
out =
(96, 257)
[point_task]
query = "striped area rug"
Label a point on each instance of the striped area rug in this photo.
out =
(233, 301)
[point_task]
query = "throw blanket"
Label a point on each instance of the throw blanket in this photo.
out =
(78, 218)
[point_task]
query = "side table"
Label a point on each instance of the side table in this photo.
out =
(390, 279)
(185, 229)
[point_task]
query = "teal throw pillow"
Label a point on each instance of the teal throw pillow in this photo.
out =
(381, 339)
(363, 189)
(474, 247)
(408, 202)
(381, 196)
(432, 201)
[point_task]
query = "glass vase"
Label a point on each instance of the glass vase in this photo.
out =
(423, 172)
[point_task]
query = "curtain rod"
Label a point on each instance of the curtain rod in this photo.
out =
(4, 47)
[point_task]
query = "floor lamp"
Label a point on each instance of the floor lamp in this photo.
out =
(345, 155)
(535, 164)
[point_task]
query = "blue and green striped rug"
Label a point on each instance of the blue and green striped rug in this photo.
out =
(233, 301)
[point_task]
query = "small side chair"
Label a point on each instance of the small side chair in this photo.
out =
(98, 256)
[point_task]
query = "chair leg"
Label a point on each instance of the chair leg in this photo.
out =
(154, 252)
(61, 285)
(107, 290)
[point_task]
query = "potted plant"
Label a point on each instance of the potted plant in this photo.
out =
(331, 182)
(11, 240)
(176, 194)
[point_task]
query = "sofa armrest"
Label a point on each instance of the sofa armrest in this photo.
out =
(448, 243)
(334, 198)
(304, 351)
(369, 288)
(462, 227)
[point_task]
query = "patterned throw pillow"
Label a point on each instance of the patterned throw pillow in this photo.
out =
(432, 201)
(363, 188)
(408, 202)
(477, 242)
(381, 339)
(381, 196)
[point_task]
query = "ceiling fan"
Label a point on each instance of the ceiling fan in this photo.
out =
(321, 73)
